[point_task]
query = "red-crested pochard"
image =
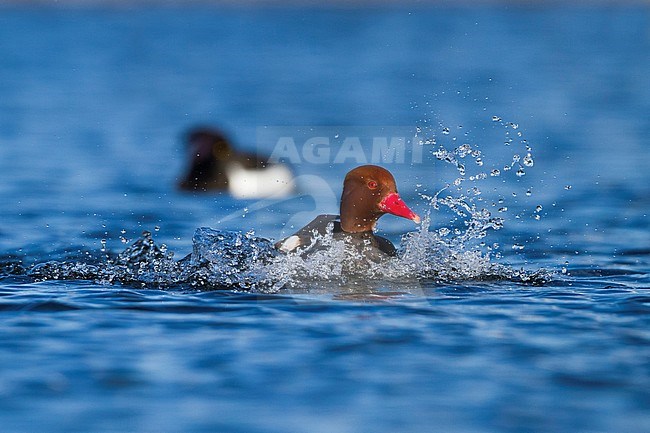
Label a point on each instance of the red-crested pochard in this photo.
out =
(369, 192)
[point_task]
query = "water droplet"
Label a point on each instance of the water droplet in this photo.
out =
(483, 213)
(514, 194)
(458, 181)
(529, 193)
(503, 209)
(537, 217)
(538, 208)
(496, 119)
(517, 247)
(444, 231)
(495, 173)
(528, 160)
(567, 187)
(123, 231)
(506, 168)
(157, 228)
(445, 130)
(479, 162)
(520, 172)
(461, 169)
(463, 150)
(514, 125)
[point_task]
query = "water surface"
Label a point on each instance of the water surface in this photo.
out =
(92, 105)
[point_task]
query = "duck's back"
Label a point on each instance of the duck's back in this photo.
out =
(307, 239)
(304, 237)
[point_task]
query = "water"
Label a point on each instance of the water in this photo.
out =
(521, 303)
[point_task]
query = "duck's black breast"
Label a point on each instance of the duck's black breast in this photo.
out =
(307, 239)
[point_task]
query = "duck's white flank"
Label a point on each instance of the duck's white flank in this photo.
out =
(289, 244)
(275, 180)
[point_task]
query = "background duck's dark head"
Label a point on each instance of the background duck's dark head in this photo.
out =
(207, 148)
(208, 143)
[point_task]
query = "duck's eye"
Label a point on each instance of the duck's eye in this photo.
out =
(372, 184)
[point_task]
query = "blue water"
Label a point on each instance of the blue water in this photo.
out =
(540, 326)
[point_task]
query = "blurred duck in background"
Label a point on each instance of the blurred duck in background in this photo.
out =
(215, 165)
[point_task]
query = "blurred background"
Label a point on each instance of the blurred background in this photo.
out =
(95, 97)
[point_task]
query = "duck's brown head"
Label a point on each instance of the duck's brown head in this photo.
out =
(369, 192)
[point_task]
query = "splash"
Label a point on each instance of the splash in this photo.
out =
(512, 157)
(219, 260)
(143, 263)
(423, 255)
(243, 261)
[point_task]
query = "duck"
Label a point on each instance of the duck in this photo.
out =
(214, 164)
(369, 192)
